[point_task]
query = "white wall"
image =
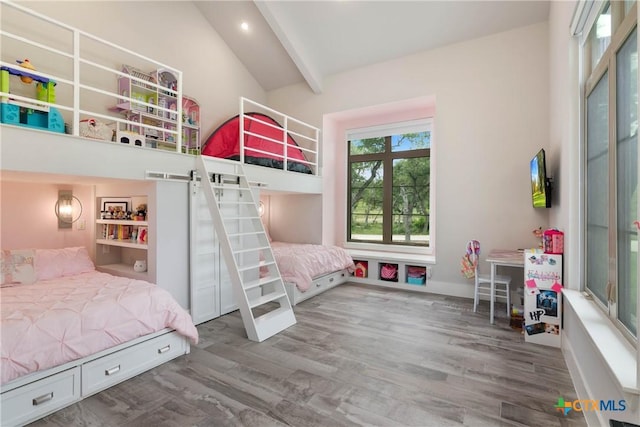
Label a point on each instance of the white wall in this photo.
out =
(492, 100)
(28, 219)
(591, 376)
(174, 33)
(294, 217)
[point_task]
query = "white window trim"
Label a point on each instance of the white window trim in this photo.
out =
(408, 126)
(619, 355)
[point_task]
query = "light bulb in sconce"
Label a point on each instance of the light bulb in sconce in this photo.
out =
(68, 209)
(261, 208)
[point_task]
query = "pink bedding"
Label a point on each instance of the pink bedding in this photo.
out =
(52, 322)
(299, 263)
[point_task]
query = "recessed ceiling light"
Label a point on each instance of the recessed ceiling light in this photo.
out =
(245, 26)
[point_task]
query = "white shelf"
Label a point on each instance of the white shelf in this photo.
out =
(122, 222)
(374, 266)
(121, 243)
(123, 270)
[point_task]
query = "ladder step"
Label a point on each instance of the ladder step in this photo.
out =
(233, 202)
(254, 266)
(249, 250)
(273, 296)
(273, 322)
(246, 234)
(240, 218)
(228, 187)
(260, 282)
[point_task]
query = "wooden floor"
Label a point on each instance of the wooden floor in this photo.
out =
(358, 356)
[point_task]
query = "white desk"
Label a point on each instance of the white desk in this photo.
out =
(505, 258)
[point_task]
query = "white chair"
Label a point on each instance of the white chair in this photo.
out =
(483, 281)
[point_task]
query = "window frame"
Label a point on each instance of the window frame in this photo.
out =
(622, 25)
(388, 130)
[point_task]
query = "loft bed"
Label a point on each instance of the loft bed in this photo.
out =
(262, 136)
(84, 106)
(78, 87)
(69, 331)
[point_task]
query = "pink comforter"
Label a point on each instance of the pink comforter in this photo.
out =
(55, 321)
(299, 263)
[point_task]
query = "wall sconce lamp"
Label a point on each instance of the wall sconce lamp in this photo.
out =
(261, 208)
(64, 208)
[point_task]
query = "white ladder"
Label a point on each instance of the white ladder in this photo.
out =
(263, 301)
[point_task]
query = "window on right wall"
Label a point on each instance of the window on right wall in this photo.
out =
(389, 178)
(610, 147)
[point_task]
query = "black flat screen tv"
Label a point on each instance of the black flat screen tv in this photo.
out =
(540, 182)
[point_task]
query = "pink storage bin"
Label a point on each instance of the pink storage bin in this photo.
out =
(553, 241)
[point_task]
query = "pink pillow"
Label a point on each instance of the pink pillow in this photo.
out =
(17, 267)
(54, 263)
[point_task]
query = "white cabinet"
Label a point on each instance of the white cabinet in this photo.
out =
(390, 270)
(166, 250)
(542, 298)
(205, 259)
(211, 288)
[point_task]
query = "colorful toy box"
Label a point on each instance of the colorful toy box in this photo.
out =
(553, 241)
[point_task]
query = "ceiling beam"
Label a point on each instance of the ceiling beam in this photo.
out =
(292, 46)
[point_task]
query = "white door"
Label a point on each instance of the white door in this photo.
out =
(228, 210)
(205, 259)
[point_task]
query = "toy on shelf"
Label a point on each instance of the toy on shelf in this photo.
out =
(26, 64)
(24, 112)
(149, 102)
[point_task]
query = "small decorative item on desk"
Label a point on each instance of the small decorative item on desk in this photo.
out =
(540, 235)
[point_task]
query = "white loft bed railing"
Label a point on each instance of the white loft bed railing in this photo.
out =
(85, 71)
(306, 136)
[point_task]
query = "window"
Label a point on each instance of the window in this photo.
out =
(610, 61)
(389, 182)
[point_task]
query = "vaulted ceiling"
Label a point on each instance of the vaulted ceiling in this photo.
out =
(289, 42)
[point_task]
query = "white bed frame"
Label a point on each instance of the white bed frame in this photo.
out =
(39, 394)
(318, 285)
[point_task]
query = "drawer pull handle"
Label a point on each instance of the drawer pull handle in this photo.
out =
(44, 398)
(332, 279)
(164, 349)
(112, 371)
(318, 285)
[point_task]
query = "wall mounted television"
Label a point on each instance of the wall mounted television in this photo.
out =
(540, 182)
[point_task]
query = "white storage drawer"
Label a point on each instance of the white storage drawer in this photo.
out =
(32, 401)
(124, 364)
(328, 281)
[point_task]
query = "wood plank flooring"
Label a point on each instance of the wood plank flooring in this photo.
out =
(358, 356)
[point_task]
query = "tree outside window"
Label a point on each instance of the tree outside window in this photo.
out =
(389, 187)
